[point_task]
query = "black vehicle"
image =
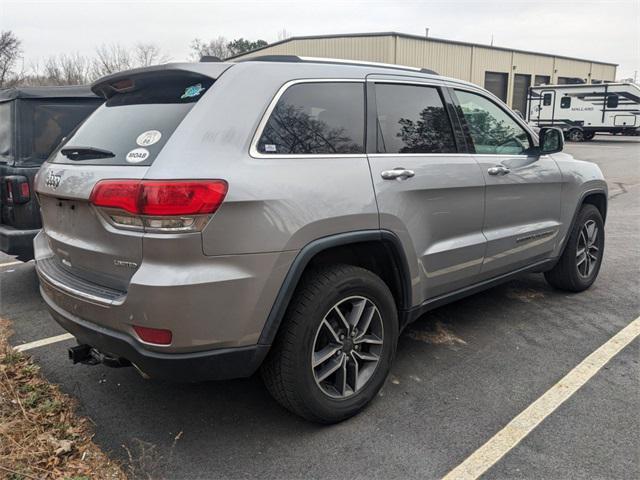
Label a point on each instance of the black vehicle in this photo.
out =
(33, 121)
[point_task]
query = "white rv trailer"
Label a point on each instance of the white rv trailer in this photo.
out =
(582, 110)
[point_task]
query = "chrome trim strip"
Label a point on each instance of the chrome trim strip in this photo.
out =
(99, 301)
(253, 150)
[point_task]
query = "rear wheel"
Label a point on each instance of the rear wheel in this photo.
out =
(580, 262)
(589, 135)
(335, 346)
(575, 135)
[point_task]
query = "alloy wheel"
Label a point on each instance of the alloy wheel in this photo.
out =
(347, 347)
(587, 253)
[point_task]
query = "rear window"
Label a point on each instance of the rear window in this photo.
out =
(321, 118)
(136, 123)
(43, 124)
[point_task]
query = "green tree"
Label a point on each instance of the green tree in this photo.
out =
(241, 45)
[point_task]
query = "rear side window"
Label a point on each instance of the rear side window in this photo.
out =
(565, 102)
(6, 130)
(136, 123)
(412, 119)
(322, 118)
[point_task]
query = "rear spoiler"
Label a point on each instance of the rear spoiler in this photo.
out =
(124, 81)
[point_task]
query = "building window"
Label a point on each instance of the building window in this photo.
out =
(496, 83)
(492, 130)
(321, 118)
(570, 80)
(412, 119)
(542, 80)
(565, 102)
(612, 101)
(546, 99)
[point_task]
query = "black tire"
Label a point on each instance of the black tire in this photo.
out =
(575, 135)
(288, 372)
(571, 273)
(589, 136)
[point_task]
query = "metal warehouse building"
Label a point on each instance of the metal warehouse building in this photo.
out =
(507, 73)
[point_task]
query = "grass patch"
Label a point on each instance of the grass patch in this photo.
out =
(40, 434)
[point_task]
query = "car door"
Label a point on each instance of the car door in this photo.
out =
(523, 189)
(429, 192)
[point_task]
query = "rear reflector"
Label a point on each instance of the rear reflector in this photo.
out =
(159, 197)
(159, 336)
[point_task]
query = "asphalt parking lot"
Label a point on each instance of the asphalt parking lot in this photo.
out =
(462, 373)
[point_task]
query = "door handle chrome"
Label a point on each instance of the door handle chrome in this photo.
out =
(397, 173)
(498, 170)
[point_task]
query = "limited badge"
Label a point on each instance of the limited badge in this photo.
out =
(269, 147)
(137, 155)
(148, 138)
(192, 91)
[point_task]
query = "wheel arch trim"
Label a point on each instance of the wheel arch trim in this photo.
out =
(309, 251)
(580, 203)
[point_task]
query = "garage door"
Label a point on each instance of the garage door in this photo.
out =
(496, 83)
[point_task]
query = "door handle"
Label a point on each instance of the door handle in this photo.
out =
(498, 170)
(397, 173)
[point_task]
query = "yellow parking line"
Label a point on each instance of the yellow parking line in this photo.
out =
(518, 428)
(43, 342)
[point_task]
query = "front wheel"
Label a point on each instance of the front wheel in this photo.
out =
(580, 262)
(335, 346)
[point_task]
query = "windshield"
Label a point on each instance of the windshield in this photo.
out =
(134, 125)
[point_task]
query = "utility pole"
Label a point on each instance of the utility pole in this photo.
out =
(426, 32)
(492, 39)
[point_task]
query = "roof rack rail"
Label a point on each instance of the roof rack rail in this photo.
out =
(333, 61)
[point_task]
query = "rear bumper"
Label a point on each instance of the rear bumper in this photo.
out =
(218, 364)
(14, 241)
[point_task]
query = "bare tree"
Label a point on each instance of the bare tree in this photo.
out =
(110, 59)
(146, 54)
(217, 47)
(9, 54)
(67, 69)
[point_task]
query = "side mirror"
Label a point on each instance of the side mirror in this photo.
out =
(551, 140)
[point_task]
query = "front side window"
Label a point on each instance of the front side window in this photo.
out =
(565, 102)
(322, 118)
(412, 119)
(492, 130)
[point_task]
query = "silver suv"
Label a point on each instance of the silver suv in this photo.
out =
(293, 215)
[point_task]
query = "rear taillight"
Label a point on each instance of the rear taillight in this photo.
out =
(17, 189)
(159, 205)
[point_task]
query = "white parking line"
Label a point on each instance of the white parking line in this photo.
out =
(8, 264)
(43, 342)
(518, 428)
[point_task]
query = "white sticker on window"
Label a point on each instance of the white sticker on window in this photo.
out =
(269, 147)
(148, 138)
(137, 155)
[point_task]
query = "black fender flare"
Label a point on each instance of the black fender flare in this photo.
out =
(579, 205)
(310, 250)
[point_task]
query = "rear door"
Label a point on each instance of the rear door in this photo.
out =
(522, 200)
(121, 139)
(429, 191)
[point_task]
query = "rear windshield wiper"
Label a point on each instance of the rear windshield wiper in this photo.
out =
(86, 153)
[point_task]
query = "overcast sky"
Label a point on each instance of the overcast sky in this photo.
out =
(605, 30)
